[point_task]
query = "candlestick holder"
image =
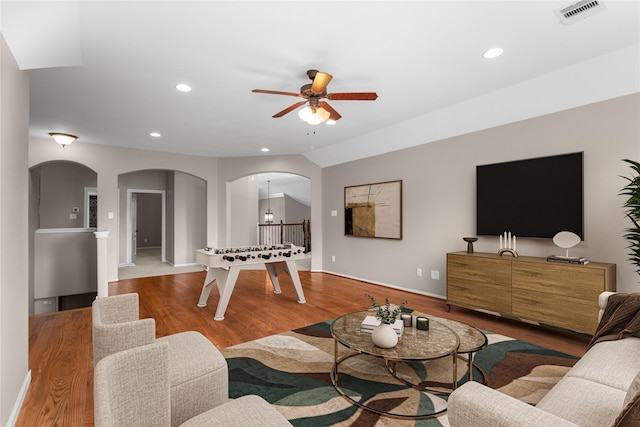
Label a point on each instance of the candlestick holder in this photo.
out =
(508, 251)
(508, 244)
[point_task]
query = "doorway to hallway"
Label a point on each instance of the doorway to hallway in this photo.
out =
(146, 224)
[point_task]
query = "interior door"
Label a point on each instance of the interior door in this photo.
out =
(134, 226)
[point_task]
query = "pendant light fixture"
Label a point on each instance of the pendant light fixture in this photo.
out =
(268, 215)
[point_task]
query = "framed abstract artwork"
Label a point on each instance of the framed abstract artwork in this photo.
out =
(374, 210)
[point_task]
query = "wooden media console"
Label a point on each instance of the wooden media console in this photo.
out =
(530, 288)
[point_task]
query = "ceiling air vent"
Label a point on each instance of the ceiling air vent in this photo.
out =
(578, 11)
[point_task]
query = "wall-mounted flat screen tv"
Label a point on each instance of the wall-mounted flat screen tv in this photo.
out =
(531, 198)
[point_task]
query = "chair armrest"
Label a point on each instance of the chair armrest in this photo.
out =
(474, 404)
(109, 339)
(603, 299)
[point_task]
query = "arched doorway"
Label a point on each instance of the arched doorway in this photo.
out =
(287, 195)
(62, 246)
(163, 221)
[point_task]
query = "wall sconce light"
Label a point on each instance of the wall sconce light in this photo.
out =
(63, 139)
(268, 215)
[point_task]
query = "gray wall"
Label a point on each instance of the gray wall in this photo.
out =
(61, 189)
(439, 195)
(242, 195)
(65, 263)
(295, 212)
(190, 217)
(14, 251)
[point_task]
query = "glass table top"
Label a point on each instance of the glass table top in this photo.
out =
(443, 338)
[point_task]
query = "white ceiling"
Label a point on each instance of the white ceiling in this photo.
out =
(106, 70)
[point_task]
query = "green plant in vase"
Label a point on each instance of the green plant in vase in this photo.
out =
(632, 206)
(385, 313)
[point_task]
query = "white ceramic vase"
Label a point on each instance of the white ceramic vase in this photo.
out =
(384, 336)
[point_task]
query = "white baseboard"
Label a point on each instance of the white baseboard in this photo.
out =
(13, 417)
(189, 264)
(414, 291)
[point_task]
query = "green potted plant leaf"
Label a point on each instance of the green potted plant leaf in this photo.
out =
(384, 336)
(385, 313)
(632, 211)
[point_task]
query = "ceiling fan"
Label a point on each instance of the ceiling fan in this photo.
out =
(318, 110)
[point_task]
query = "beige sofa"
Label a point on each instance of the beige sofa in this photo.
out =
(593, 393)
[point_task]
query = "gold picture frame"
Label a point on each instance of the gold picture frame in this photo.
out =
(374, 210)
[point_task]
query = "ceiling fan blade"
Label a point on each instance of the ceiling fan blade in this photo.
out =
(353, 96)
(320, 82)
(333, 114)
(289, 109)
(274, 92)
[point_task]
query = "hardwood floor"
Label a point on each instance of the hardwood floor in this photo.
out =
(60, 348)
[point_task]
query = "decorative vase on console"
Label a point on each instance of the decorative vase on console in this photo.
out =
(384, 336)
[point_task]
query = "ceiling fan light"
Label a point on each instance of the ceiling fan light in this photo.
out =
(331, 122)
(313, 118)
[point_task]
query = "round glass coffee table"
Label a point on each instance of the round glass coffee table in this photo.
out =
(445, 339)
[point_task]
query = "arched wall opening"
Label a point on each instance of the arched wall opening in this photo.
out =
(62, 247)
(162, 212)
(287, 195)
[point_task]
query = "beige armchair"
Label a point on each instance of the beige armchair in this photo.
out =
(198, 374)
(132, 388)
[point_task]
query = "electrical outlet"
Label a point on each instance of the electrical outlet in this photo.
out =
(419, 272)
(435, 274)
(333, 258)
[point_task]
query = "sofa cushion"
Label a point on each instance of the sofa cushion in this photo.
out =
(198, 375)
(612, 363)
(244, 411)
(630, 415)
(192, 355)
(583, 402)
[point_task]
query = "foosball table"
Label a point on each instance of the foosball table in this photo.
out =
(223, 266)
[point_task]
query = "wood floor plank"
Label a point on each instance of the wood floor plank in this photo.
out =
(60, 349)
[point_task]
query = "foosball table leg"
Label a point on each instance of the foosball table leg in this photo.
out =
(206, 288)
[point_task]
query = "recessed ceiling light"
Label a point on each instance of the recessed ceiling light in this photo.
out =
(155, 134)
(264, 150)
(493, 53)
(183, 87)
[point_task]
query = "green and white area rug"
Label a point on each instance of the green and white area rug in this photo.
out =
(292, 371)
